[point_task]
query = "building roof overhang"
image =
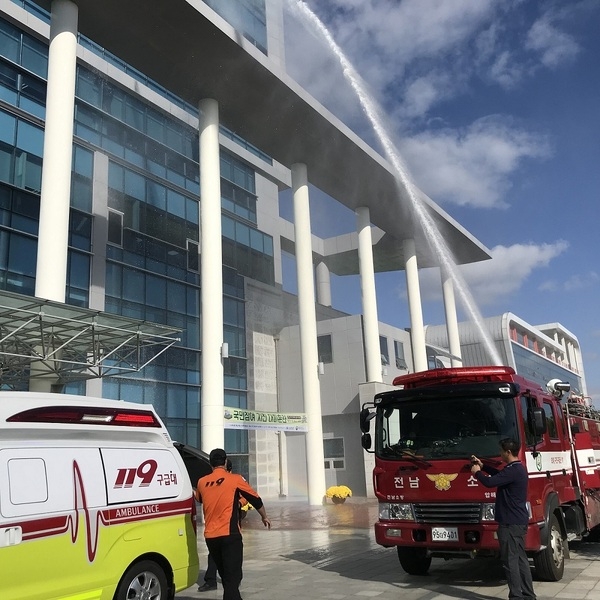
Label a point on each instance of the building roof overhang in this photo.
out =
(186, 47)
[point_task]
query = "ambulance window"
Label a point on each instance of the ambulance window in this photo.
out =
(550, 422)
(28, 482)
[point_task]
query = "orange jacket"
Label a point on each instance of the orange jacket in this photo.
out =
(220, 494)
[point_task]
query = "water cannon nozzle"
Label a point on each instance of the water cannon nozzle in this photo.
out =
(557, 388)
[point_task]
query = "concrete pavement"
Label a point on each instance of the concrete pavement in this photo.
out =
(329, 552)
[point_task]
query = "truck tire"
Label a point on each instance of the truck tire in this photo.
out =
(144, 580)
(550, 562)
(414, 560)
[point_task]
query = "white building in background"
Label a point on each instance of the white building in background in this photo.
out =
(538, 352)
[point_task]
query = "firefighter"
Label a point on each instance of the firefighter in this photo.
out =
(219, 493)
(511, 515)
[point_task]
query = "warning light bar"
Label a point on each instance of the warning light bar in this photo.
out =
(80, 415)
(457, 374)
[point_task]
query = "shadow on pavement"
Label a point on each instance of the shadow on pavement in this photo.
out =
(358, 557)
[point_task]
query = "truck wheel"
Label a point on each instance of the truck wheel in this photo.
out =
(414, 560)
(144, 580)
(550, 562)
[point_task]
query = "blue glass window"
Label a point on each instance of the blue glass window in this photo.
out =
(9, 82)
(35, 56)
(30, 138)
(10, 41)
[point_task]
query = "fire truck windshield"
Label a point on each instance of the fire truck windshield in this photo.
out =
(434, 428)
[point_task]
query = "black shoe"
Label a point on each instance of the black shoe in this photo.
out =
(207, 587)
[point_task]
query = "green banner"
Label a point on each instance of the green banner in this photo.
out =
(243, 418)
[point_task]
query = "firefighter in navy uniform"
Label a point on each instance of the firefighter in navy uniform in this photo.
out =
(512, 516)
(220, 494)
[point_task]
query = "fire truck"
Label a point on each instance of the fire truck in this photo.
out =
(427, 429)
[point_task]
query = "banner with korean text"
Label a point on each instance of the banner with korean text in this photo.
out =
(243, 418)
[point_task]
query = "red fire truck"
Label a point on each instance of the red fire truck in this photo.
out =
(425, 432)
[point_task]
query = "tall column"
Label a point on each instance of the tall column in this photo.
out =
(53, 238)
(417, 334)
(368, 294)
(323, 284)
(311, 390)
(451, 318)
(93, 386)
(211, 294)
(571, 360)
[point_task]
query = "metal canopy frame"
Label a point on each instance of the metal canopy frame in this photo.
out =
(41, 338)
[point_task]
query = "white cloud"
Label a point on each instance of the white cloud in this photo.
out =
(495, 280)
(554, 46)
(505, 71)
(382, 38)
(471, 166)
(573, 284)
(404, 31)
(423, 93)
(509, 269)
(396, 45)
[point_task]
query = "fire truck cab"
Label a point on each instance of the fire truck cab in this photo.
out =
(426, 430)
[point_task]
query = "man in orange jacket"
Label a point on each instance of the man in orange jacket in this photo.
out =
(210, 575)
(220, 494)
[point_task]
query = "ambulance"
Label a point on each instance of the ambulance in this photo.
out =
(95, 501)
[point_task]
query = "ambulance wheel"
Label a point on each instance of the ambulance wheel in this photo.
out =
(414, 560)
(550, 562)
(144, 580)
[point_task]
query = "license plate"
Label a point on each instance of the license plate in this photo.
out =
(444, 534)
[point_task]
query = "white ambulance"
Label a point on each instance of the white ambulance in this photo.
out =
(95, 501)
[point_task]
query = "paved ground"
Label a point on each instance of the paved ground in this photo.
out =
(329, 552)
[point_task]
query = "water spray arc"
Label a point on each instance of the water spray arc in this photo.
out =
(403, 181)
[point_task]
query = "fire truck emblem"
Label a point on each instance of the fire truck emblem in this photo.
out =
(442, 481)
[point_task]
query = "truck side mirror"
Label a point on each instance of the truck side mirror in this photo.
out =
(365, 441)
(365, 420)
(536, 421)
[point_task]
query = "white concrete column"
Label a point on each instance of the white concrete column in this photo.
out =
(323, 284)
(53, 238)
(93, 387)
(283, 470)
(563, 345)
(571, 360)
(211, 294)
(577, 359)
(311, 389)
(100, 231)
(417, 333)
(368, 294)
(451, 318)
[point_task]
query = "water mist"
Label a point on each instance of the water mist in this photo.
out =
(434, 237)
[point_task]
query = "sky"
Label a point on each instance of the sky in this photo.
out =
(494, 106)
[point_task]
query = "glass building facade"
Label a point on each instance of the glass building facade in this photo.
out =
(538, 369)
(151, 183)
(247, 16)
